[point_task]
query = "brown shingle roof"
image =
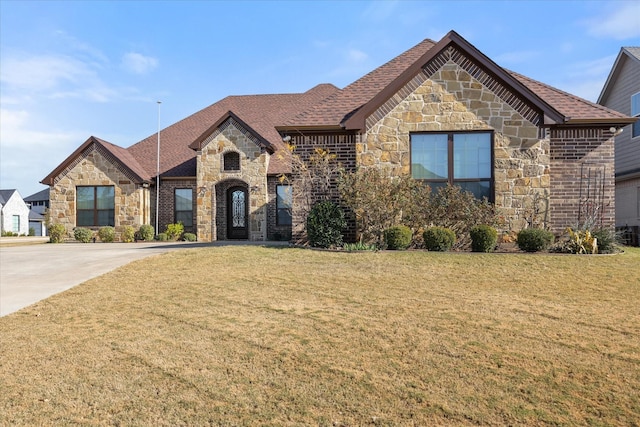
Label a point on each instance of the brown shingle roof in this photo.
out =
(261, 112)
(575, 109)
(119, 154)
(333, 110)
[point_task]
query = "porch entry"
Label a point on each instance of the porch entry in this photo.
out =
(237, 213)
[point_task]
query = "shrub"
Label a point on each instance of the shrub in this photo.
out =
(397, 237)
(582, 242)
(57, 233)
(607, 240)
(325, 225)
(460, 211)
(174, 231)
(83, 235)
(483, 238)
(32, 231)
(162, 237)
(146, 232)
(534, 239)
(107, 234)
(438, 238)
(189, 237)
(128, 234)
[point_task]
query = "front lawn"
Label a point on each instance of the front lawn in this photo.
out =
(245, 335)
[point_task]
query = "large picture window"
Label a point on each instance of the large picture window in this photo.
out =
(284, 199)
(635, 112)
(95, 206)
(184, 206)
(456, 158)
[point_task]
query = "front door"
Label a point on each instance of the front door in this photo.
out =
(237, 209)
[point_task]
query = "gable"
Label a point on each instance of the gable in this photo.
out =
(230, 119)
(115, 155)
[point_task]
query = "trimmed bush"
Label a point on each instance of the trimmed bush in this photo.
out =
(162, 237)
(146, 232)
(325, 225)
(107, 234)
(534, 239)
(189, 237)
(57, 233)
(174, 231)
(128, 234)
(483, 238)
(438, 239)
(397, 237)
(83, 235)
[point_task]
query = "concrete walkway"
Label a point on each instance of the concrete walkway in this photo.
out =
(32, 272)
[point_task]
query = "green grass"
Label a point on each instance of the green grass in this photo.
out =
(266, 336)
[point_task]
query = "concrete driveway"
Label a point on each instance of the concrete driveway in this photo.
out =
(30, 273)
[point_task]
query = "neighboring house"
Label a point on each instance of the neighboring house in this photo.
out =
(442, 112)
(621, 92)
(38, 204)
(14, 213)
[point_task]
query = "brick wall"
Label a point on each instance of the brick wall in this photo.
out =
(582, 177)
(166, 203)
(343, 145)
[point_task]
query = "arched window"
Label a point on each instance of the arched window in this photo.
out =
(231, 161)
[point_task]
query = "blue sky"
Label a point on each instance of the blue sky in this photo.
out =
(72, 69)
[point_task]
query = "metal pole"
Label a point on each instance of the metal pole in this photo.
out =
(158, 173)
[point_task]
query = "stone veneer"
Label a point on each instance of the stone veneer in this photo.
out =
(452, 100)
(95, 167)
(213, 180)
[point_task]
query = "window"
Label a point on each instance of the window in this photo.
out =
(184, 206)
(16, 223)
(95, 206)
(635, 112)
(231, 161)
(284, 199)
(456, 158)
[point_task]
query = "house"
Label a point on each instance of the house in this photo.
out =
(14, 213)
(621, 92)
(441, 111)
(38, 204)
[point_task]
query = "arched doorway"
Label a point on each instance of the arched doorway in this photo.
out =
(237, 213)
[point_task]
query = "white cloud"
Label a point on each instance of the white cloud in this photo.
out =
(28, 153)
(621, 21)
(137, 63)
(52, 76)
(41, 73)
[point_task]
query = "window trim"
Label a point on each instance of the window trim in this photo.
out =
(281, 208)
(175, 206)
(450, 159)
(95, 210)
(15, 224)
(635, 127)
(224, 161)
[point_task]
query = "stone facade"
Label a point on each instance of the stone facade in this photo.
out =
(452, 100)
(213, 181)
(95, 167)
